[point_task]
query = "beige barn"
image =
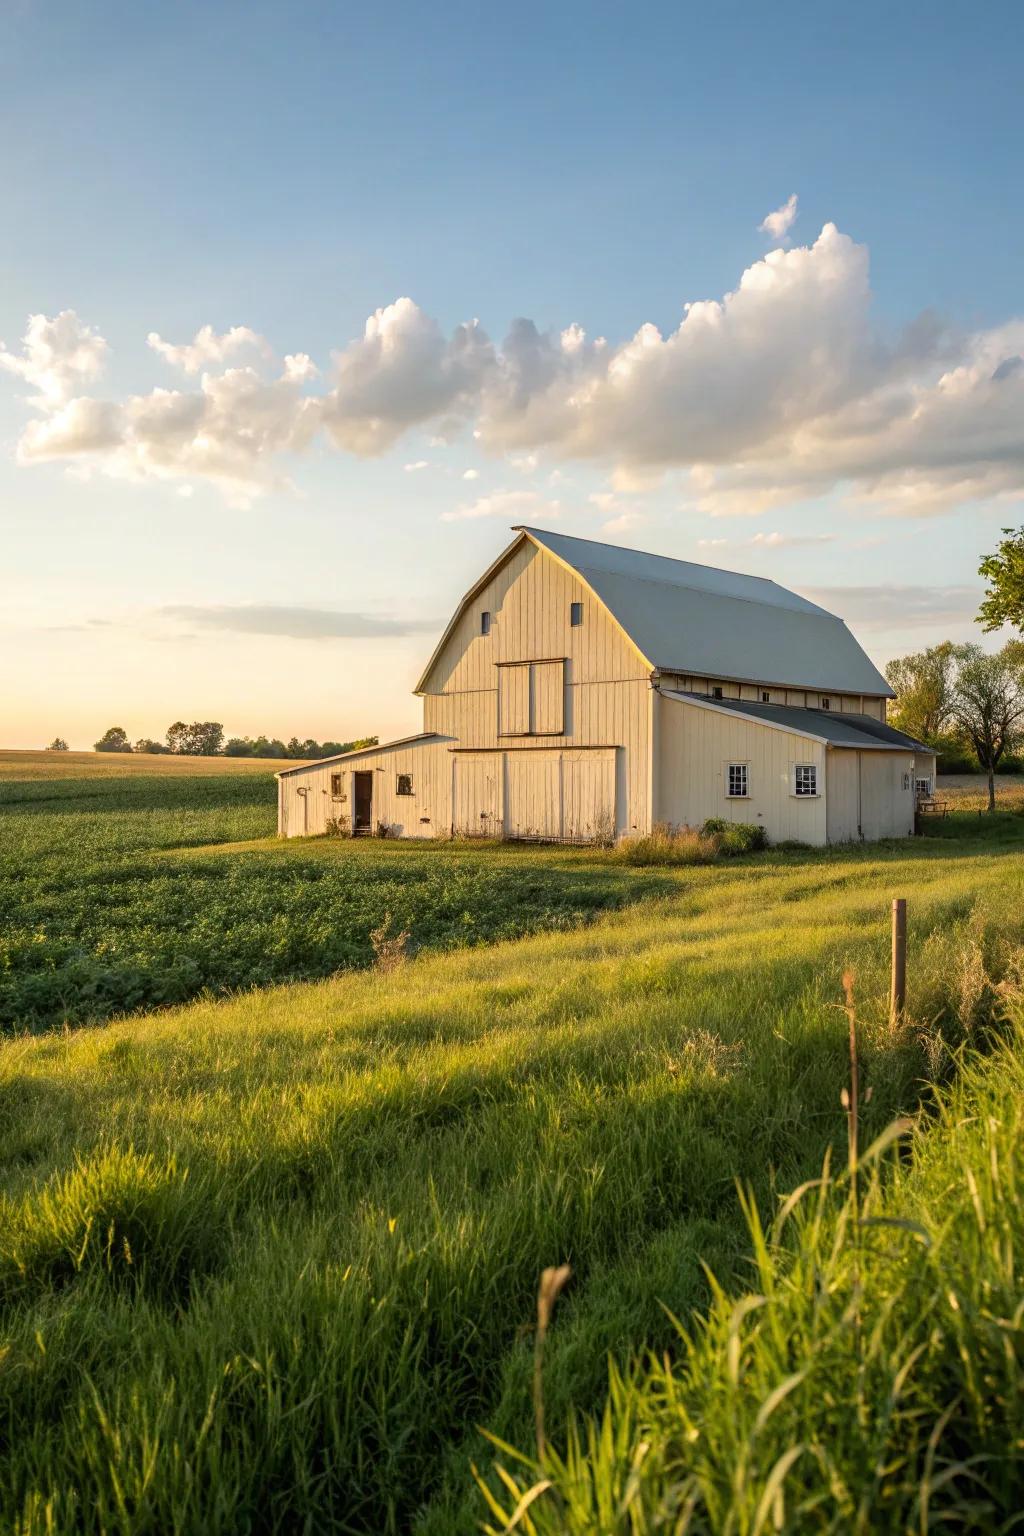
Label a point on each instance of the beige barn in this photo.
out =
(582, 691)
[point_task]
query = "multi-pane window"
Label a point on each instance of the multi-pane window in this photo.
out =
(575, 614)
(923, 788)
(336, 785)
(736, 784)
(805, 779)
(485, 622)
(404, 784)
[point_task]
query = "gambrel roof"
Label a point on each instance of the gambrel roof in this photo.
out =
(702, 621)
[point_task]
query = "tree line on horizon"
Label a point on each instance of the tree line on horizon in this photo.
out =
(205, 738)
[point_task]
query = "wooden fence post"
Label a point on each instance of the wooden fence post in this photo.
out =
(898, 989)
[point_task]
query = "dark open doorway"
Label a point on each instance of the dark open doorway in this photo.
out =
(362, 811)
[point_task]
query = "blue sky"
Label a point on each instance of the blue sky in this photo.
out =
(293, 170)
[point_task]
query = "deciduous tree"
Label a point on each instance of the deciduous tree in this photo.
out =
(988, 704)
(113, 740)
(1004, 572)
(58, 744)
(203, 738)
(923, 685)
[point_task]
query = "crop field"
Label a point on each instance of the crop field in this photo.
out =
(29, 766)
(269, 1261)
(133, 892)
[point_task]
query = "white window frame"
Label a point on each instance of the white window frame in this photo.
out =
(922, 788)
(804, 793)
(742, 769)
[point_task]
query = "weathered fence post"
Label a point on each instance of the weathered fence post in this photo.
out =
(898, 989)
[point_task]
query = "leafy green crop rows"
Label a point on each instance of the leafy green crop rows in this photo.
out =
(103, 909)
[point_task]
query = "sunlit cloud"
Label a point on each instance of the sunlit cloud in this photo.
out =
(783, 391)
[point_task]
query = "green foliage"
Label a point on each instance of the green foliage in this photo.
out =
(304, 751)
(1003, 602)
(114, 739)
(736, 836)
(338, 1197)
(953, 754)
(148, 746)
(203, 738)
(58, 744)
(923, 684)
(103, 910)
(683, 846)
(870, 1379)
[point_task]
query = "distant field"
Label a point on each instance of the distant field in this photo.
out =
(969, 791)
(118, 765)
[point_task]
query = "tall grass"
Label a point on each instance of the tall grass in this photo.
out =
(265, 1264)
(871, 1376)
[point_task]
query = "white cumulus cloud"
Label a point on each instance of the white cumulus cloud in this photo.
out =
(58, 356)
(401, 372)
(207, 349)
(231, 431)
(783, 390)
(778, 223)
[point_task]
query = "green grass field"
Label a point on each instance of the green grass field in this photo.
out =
(269, 1262)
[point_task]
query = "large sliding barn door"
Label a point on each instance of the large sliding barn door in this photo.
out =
(561, 796)
(534, 807)
(478, 795)
(588, 796)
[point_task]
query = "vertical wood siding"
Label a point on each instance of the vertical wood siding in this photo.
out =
(307, 804)
(479, 794)
(560, 794)
(513, 700)
(548, 698)
(842, 796)
(803, 698)
(886, 794)
(871, 794)
(605, 692)
(695, 747)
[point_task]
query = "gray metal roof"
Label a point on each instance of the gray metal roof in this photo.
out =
(700, 620)
(344, 757)
(827, 725)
